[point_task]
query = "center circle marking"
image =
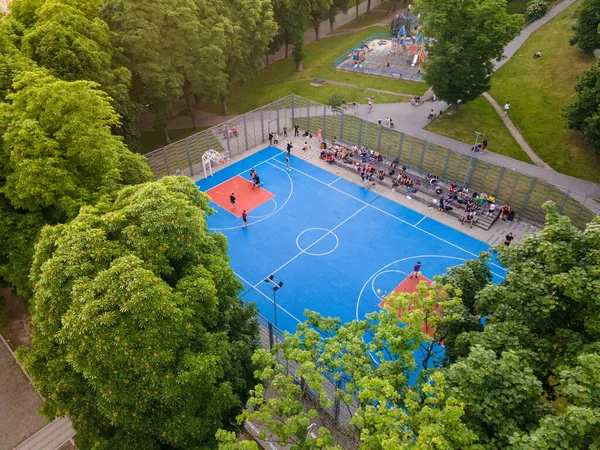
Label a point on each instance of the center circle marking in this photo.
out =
(322, 237)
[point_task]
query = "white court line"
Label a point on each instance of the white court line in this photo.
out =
(268, 215)
(391, 215)
(334, 181)
(422, 219)
(266, 296)
(238, 175)
(314, 243)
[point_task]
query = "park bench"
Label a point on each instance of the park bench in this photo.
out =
(319, 80)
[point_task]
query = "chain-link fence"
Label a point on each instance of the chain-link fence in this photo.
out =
(524, 193)
(339, 411)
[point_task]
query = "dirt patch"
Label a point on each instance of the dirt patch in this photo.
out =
(14, 319)
(19, 403)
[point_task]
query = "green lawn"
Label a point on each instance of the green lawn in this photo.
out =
(479, 115)
(151, 140)
(282, 79)
(539, 89)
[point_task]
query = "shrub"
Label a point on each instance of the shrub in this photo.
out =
(536, 9)
(336, 100)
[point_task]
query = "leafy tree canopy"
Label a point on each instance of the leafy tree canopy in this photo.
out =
(138, 333)
(57, 153)
(467, 35)
(587, 30)
(584, 113)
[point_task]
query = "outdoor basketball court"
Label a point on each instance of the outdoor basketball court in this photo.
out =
(338, 248)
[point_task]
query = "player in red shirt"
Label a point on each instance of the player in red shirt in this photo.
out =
(245, 218)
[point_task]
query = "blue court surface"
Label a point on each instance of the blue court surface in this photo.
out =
(338, 247)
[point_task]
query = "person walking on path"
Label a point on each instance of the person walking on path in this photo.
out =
(508, 239)
(244, 218)
(416, 270)
(506, 108)
(270, 138)
(484, 145)
(296, 130)
(287, 162)
(232, 201)
(284, 131)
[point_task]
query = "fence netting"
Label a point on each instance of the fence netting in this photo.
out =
(524, 193)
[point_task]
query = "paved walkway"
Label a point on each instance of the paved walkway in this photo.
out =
(51, 437)
(516, 134)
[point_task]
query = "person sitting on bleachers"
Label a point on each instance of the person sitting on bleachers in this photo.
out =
(380, 174)
(453, 187)
(468, 218)
(394, 163)
(471, 205)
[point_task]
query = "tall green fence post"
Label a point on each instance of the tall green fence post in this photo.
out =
(423, 155)
(379, 139)
(245, 131)
(164, 149)
(262, 124)
(342, 127)
(308, 114)
(187, 150)
(324, 120)
(277, 104)
(293, 115)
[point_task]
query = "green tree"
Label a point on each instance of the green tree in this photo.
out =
(248, 37)
(281, 16)
(467, 35)
(75, 47)
(172, 47)
(57, 154)
(138, 334)
(374, 360)
(584, 113)
(587, 30)
(317, 10)
(336, 7)
(296, 26)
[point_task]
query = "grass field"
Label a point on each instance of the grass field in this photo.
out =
(479, 115)
(539, 89)
(282, 79)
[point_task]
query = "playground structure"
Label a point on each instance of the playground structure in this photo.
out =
(399, 55)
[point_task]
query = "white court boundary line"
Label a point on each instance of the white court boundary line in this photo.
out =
(391, 215)
(265, 296)
(268, 215)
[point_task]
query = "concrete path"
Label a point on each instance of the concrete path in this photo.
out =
(514, 45)
(380, 91)
(51, 437)
(516, 134)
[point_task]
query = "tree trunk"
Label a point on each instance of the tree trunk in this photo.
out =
(224, 105)
(331, 21)
(188, 103)
(368, 5)
(267, 61)
(299, 66)
(167, 138)
(316, 27)
(286, 43)
(357, 9)
(454, 107)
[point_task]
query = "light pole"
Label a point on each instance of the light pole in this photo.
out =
(276, 287)
(477, 134)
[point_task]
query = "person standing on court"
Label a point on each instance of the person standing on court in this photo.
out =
(270, 138)
(289, 148)
(508, 239)
(287, 162)
(416, 270)
(296, 130)
(244, 218)
(232, 201)
(284, 131)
